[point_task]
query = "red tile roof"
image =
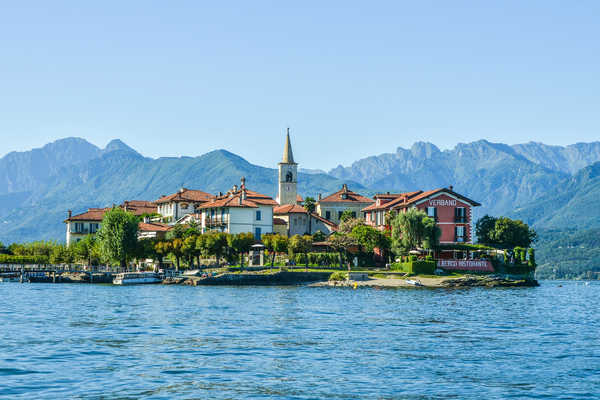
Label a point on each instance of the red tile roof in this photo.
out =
(430, 193)
(139, 207)
(289, 209)
(392, 200)
(153, 227)
(234, 199)
(92, 214)
(279, 221)
(186, 195)
(350, 197)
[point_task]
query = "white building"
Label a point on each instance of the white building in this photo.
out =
(177, 205)
(239, 211)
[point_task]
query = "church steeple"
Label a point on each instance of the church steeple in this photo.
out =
(288, 155)
(288, 175)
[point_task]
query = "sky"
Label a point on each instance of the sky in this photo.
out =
(350, 79)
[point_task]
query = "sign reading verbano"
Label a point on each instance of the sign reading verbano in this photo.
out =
(442, 202)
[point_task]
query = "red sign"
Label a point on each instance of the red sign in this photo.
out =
(466, 265)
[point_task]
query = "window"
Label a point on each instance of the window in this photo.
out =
(289, 177)
(432, 212)
(258, 215)
(460, 233)
(353, 214)
(460, 214)
(340, 214)
(327, 215)
(257, 233)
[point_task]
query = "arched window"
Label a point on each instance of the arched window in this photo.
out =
(289, 176)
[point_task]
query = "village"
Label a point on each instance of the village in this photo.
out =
(344, 230)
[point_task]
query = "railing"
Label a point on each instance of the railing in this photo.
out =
(217, 221)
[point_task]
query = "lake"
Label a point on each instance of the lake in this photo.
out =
(163, 342)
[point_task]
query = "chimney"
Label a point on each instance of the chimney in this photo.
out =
(319, 197)
(345, 188)
(243, 180)
(220, 194)
(451, 187)
(125, 205)
(69, 213)
(234, 189)
(182, 190)
(240, 200)
(244, 195)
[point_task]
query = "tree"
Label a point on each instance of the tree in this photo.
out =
(162, 248)
(241, 243)
(178, 231)
(369, 238)
(484, 228)
(117, 237)
(214, 243)
(301, 244)
(319, 236)
(346, 215)
(309, 206)
(510, 233)
(189, 250)
(341, 242)
(61, 254)
(176, 249)
(275, 243)
(413, 229)
(86, 250)
(348, 224)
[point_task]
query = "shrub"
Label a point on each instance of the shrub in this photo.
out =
(532, 263)
(338, 276)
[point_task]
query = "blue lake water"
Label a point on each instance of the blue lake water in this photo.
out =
(163, 342)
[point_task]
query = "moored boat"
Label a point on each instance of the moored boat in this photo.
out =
(136, 278)
(413, 282)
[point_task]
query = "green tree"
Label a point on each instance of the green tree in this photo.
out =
(86, 250)
(189, 249)
(162, 248)
(176, 250)
(319, 236)
(348, 224)
(61, 254)
(117, 237)
(241, 243)
(177, 232)
(309, 206)
(369, 238)
(276, 244)
(346, 215)
(301, 245)
(413, 229)
(341, 243)
(484, 229)
(510, 233)
(215, 243)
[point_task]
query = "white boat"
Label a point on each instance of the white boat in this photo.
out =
(9, 279)
(413, 282)
(136, 278)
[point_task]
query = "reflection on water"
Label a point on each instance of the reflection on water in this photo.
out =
(98, 341)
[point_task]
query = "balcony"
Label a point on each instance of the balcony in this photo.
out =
(216, 221)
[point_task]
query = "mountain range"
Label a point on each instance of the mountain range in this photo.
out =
(550, 187)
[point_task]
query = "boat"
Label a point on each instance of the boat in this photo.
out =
(413, 282)
(9, 279)
(136, 278)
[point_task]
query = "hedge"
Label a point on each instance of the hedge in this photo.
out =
(415, 267)
(10, 259)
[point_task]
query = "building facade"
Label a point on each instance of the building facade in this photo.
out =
(451, 211)
(177, 205)
(239, 211)
(297, 221)
(332, 206)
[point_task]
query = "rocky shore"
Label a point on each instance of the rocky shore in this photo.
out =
(433, 282)
(242, 279)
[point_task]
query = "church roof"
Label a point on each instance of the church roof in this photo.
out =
(288, 155)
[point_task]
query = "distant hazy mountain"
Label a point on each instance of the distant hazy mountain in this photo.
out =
(118, 173)
(568, 159)
(574, 204)
(494, 174)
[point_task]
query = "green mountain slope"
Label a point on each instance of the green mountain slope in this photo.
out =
(120, 174)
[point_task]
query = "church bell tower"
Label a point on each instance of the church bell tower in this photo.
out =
(288, 175)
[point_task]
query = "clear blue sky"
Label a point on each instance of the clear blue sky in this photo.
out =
(351, 79)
